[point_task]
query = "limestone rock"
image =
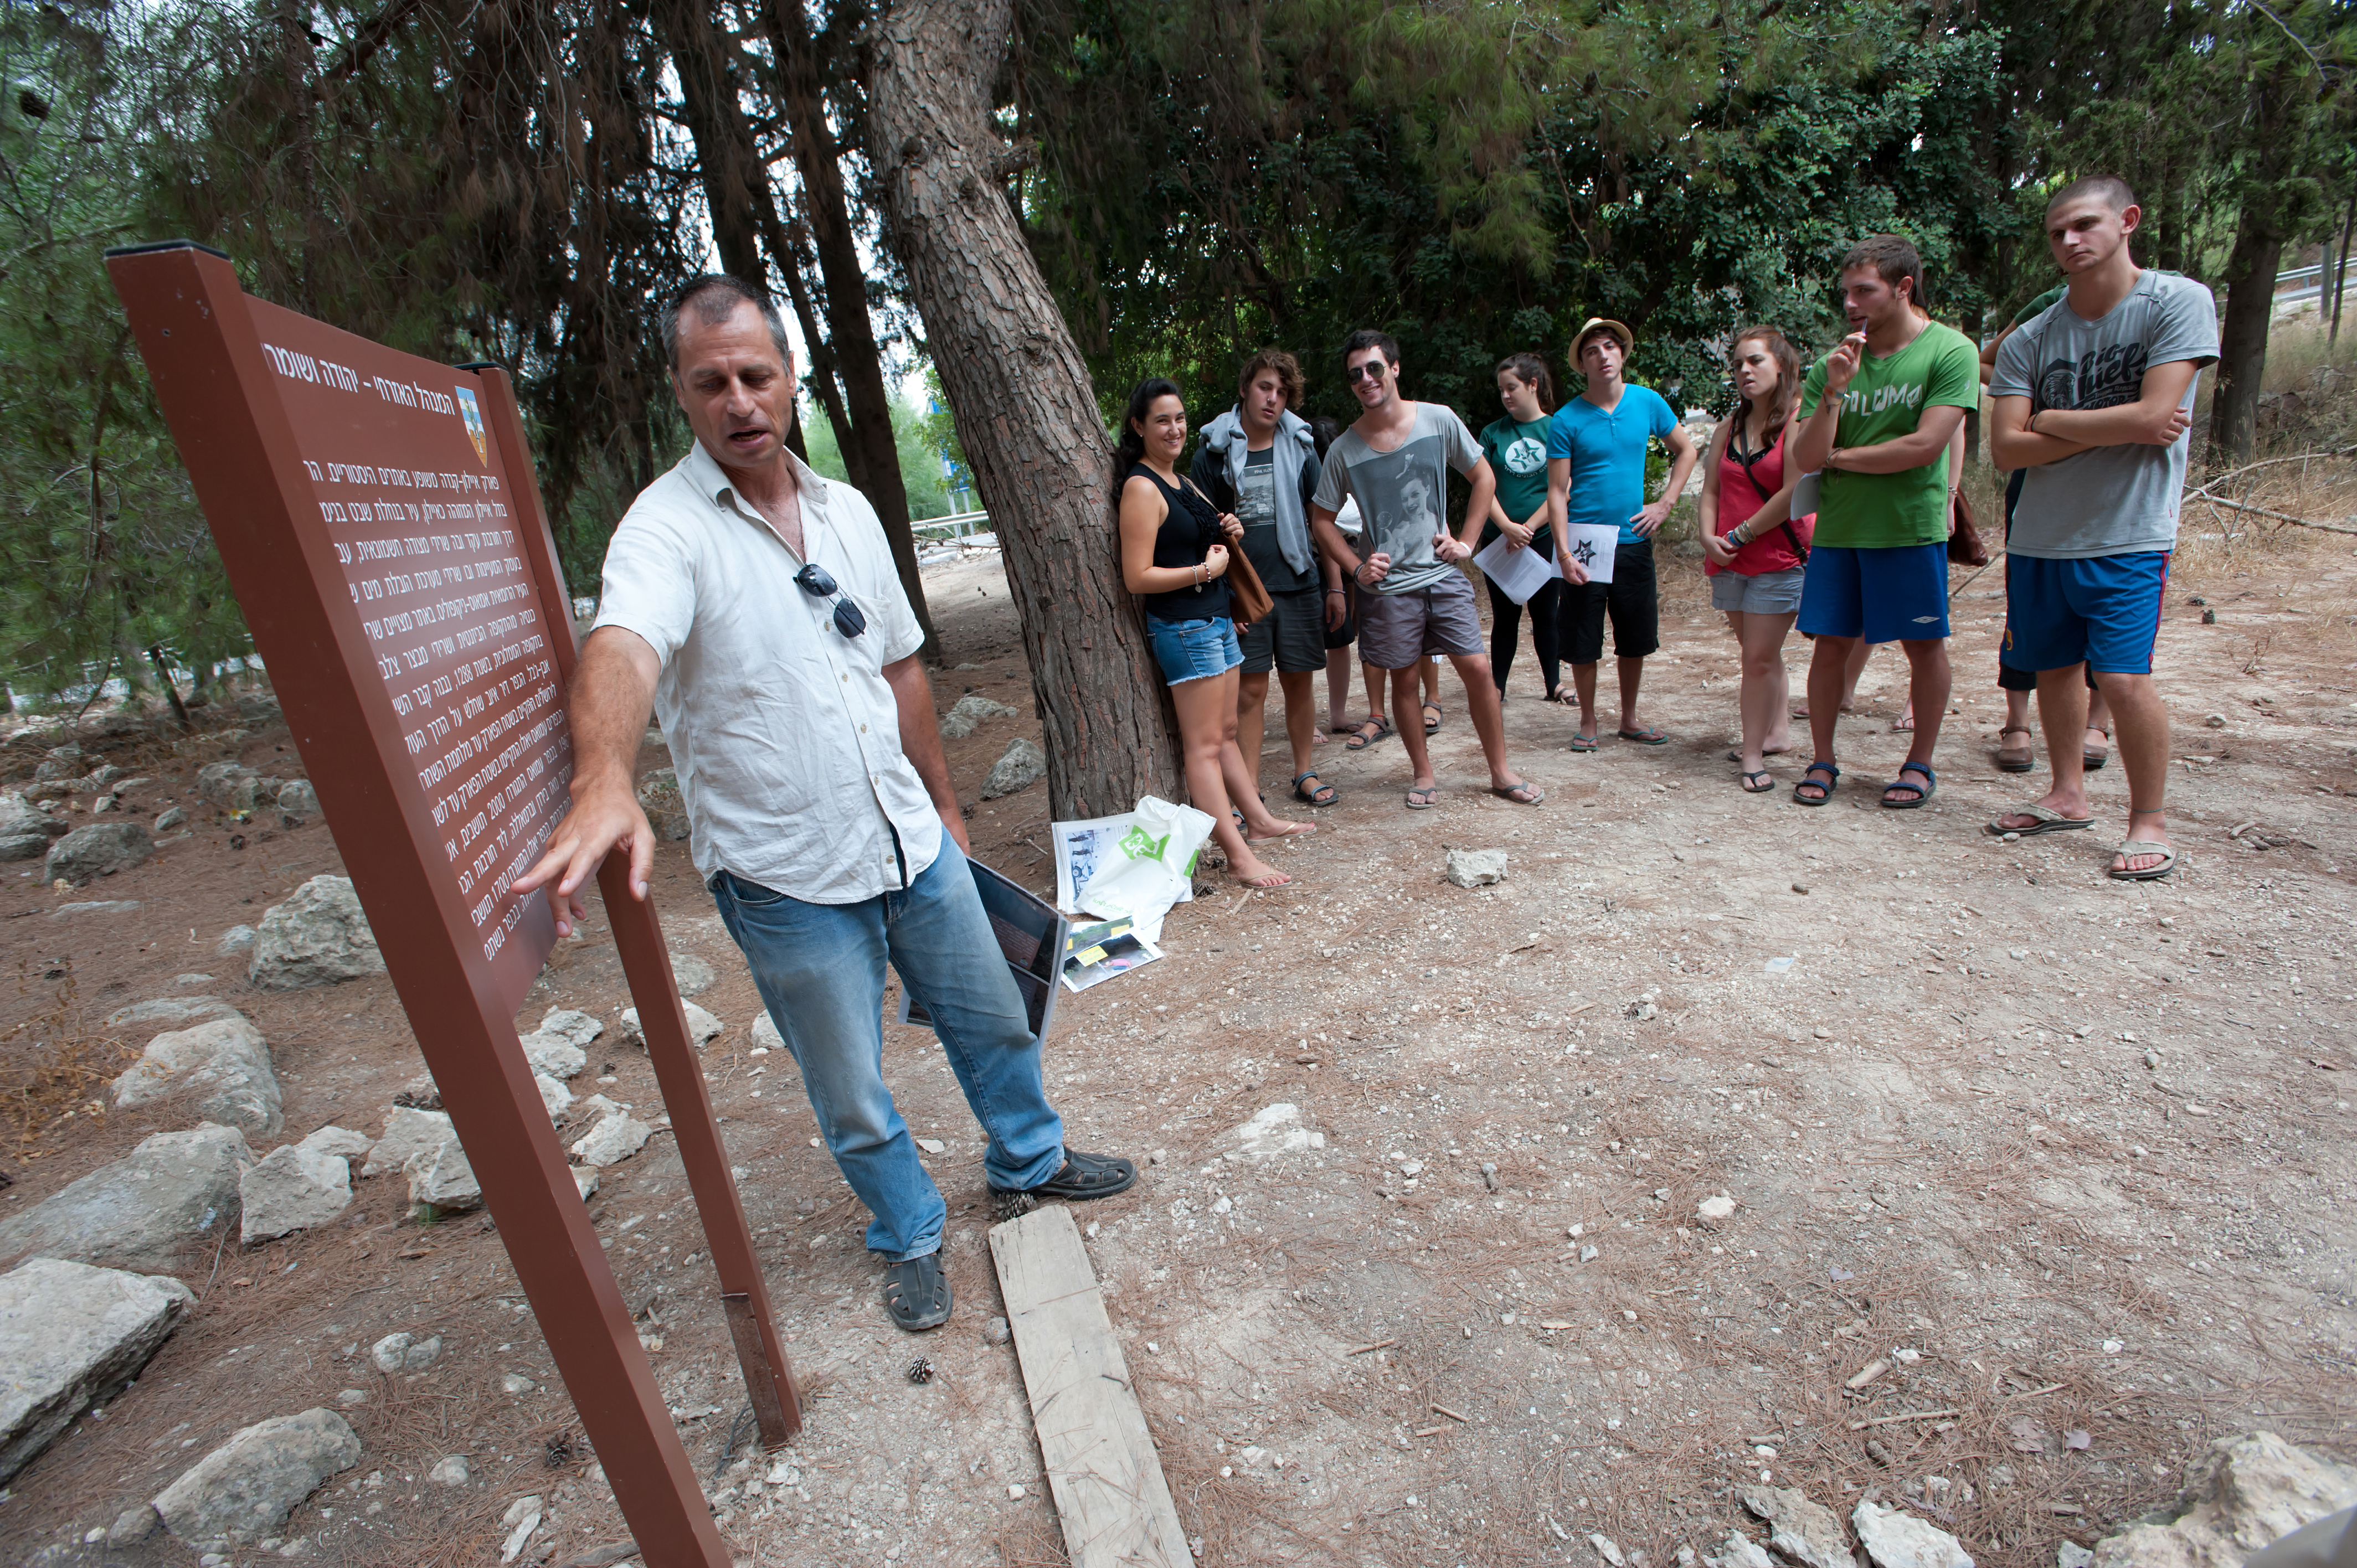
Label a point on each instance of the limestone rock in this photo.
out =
(24, 845)
(318, 937)
(970, 713)
(171, 818)
(296, 1187)
(1477, 867)
(228, 785)
(449, 1472)
(765, 1033)
(406, 1133)
(691, 974)
(666, 808)
(1022, 766)
(2246, 1493)
(441, 1177)
(299, 800)
(136, 1212)
(554, 1095)
(62, 762)
(615, 1138)
(133, 1525)
(1807, 1532)
(246, 1487)
(343, 1141)
(69, 1335)
(19, 818)
(1719, 1208)
(397, 1353)
(172, 1012)
(99, 850)
(1275, 1130)
(224, 1064)
(1741, 1552)
(701, 1025)
(552, 1056)
(236, 939)
(95, 906)
(585, 1181)
(1897, 1539)
(578, 1027)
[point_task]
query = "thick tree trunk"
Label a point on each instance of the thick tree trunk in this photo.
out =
(1026, 409)
(828, 217)
(726, 159)
(2243, 341)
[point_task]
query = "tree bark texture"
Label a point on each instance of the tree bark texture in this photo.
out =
(827, 215)
(2251, 270)
(1025, 406)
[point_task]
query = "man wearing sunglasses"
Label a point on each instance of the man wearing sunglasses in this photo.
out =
(753, 607)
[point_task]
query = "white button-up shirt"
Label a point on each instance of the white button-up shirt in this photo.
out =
(785, 733)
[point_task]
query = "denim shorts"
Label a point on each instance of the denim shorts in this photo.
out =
(1193, 649)
(1762, 594)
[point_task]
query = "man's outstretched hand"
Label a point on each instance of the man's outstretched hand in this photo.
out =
(602, 820)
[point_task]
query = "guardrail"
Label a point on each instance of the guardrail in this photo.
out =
(2303, 280)
(957, 525)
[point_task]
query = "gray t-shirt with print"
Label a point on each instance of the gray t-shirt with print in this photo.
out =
(2107, 501)
(1403, 493)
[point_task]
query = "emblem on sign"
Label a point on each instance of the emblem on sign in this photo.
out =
(473, 414)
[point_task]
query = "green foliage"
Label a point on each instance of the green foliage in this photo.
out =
(915, 434)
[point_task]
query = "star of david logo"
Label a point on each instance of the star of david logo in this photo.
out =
(1585, 552)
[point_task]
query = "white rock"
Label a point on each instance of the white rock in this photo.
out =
(1272, 1130)
(1021, 766)
(1897, 1539)
(139, 1210)
(1477, 867)
(1806, 1532)
(1741, 1552)
(1411, 1168)
(552, 1056)
(614, 1139)
(407, 1132)
(441, 1177)
(701, 1025)
(450, 1472)
(554, 1095)
(298, 799)
(1719, 1208)
(97, 907)
(765, 1034)
(133, 1525)
(522, 1519)
(225, 1066)
(397, 1353)
(969, 712)
(584, 1180)
(516, 1383)
(1608, 1549)
(319, 935)
(247, 1486)
(293, 1189)
(171, 1012)
(2244, 1494)
(237, 939)
(932, 1145)
(576, 1027)
(2070, 1554)
(598, 1106)
(71, 1335)
(334, 1140)
(691, 973)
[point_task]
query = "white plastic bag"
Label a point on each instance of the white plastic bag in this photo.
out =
(1150, 867)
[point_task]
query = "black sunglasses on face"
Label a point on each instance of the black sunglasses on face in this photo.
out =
(815, 581)
(1372, 370)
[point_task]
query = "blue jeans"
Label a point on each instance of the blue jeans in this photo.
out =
(819, 969)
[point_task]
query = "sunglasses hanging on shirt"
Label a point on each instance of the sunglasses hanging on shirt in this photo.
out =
(819, 583)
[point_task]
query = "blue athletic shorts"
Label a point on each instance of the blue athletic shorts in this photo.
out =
(2104, 610)
(1193, 649)
(1897, 594)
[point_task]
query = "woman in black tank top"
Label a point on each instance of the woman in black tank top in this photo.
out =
(1174, 556)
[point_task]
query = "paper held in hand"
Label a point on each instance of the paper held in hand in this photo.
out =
(1518, 573)
(1592, 545)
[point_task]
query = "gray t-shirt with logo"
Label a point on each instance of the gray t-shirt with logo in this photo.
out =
(1403, 493)
(2107, 501)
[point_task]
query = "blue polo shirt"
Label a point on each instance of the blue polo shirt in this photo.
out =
(1607, 448)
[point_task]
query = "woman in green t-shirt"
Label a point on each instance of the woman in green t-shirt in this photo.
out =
(1516, 448)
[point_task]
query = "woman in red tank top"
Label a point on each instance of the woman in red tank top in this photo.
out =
(1754, 549)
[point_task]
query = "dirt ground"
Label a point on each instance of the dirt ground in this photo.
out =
(2071, 1160)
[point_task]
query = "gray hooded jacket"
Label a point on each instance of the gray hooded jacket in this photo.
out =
(1219, 470)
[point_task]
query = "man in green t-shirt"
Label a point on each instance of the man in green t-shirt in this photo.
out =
(1877, 416)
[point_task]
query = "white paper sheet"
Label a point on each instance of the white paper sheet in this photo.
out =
(1518, 573)
(1592, 544)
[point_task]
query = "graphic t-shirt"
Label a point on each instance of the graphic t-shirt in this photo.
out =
(2106, 501)
(1606, 450)
(1256, 509)
(1886, 399)
(1403, 493)
(1517, 454)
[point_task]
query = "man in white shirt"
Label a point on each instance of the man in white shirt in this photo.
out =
(753, 607)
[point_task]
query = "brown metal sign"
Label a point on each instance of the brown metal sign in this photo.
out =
(378, 518)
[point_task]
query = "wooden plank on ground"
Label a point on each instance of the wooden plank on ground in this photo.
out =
(1103, 1470)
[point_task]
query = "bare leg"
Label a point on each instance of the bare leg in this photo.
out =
(1378, 683)
(1300, 714)
(1489, 715)
(1428, 684)
(2141, 724)
(1853, 666)
(1251, 717)
(1764, 696)
(1929, 682)
(1338, 689)
(1632, 675)
(1207, 727)
(2061, 710)
(2099, 722)
(1404, 693)
(1828, 668)
(1583, 687)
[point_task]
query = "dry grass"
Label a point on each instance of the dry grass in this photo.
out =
(53, 1065)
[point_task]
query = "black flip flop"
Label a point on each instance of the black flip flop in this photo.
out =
(917, 1294)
